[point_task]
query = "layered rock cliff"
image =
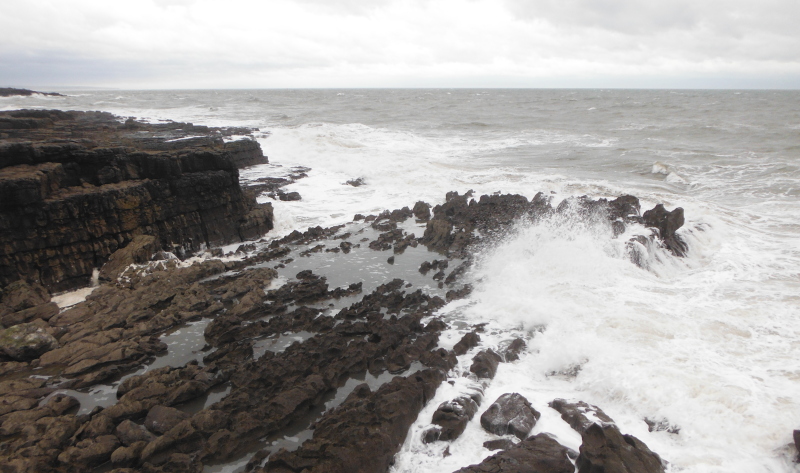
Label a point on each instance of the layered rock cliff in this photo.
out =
(77, 186)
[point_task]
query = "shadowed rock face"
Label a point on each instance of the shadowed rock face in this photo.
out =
(77, 186)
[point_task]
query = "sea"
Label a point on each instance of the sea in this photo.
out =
(706, 347)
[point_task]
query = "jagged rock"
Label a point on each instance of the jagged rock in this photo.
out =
(538, 454)
(358, 182)
(580, 415)
(796, 437)
(452, 417)
(341, 441)
(138, 251)
(606, 449)
(468, 341)
(498, 444)
(128, 455)
(25, 342)
(66, 205)
(667, 224)
(161, 419)
(485, 363)
(129, 433)
(511, 353)
(90, 452)
(510, 414)
(422, 211)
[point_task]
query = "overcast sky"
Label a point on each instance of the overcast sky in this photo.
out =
(400, 43)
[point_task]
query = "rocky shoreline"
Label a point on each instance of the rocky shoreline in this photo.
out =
(306, 360)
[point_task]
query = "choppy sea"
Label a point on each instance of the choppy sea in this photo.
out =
(709, 343)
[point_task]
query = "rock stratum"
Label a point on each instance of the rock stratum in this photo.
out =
(77, 186)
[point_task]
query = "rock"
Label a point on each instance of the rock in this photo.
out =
(484, 364)
(796, 436)
(510, 414)
(130, 433)
(289, 196)
(580, 415)
(161, 419)
(538, 454)
(468, 341)
(128, 455)
(25, 342)
(365, 432)
(44, 312)
(422, 211)
(358, 182)
(245, 153)
(20, 295)
(667, 224)
(9, 92)
(498, 444)
(453, 416)
(513, 350)
(66, 204)
(605, 449)
(90, 453)
(137, 251)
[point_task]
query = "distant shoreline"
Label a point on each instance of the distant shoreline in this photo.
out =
(10, 92)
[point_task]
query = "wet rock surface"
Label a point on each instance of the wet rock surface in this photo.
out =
(77, 186)
(510, 414)
(537, 454)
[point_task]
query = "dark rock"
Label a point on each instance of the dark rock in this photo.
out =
(796, 436)
(667, 224)
(422, 211)
(484, 364)
(358, 182)
(161, 419)
(580, 415)
(20, 295)
(453, 416)
(289, 196)
(66, 205)
(498, 444)
(468, 341)
(137, 251)
(25, 342)
(538, 454)
(510, 414)
(129, 433)
(9, 92)
(511, 353)
(245, 153)
(390, 260)
(605, 449)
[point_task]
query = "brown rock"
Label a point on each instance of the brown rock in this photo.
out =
(538, 454)
(161, 419)
(510, 414)
(26, 342)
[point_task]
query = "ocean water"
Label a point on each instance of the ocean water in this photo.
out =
(709, 343)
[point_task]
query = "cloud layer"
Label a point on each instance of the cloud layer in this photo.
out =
(400, 43)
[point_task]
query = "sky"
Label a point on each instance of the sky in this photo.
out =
(197, 44)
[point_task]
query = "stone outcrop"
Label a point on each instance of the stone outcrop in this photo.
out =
(77, 186)
(537, 454)
(510, 414)
(10, 92)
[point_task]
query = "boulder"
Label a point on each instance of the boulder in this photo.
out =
(511, 353)
(452, 418)
(580, 415)
(667, 224)
(498, 444)
(538, 454)
(606, 449)
(484, 364)
(468, 341)
(130, 433)
(25, 342)
(138, 251)
(422, 210)
(161, 419)
(510, 414)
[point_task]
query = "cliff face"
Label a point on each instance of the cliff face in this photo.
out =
(75, 187)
